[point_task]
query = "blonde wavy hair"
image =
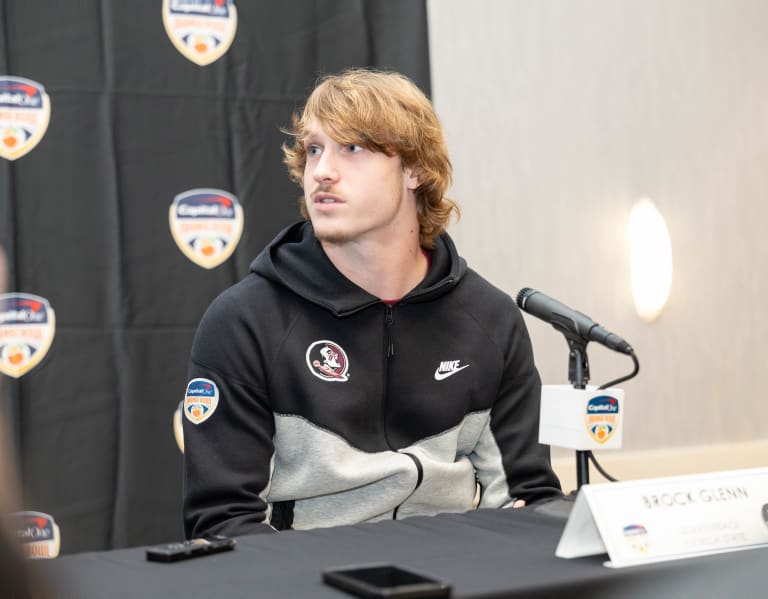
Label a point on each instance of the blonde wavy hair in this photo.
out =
(384, 112)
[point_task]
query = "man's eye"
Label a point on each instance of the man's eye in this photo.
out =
(313, 150)
(354, 148)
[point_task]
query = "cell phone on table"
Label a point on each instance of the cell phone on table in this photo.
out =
(174, 552)
(385, 580)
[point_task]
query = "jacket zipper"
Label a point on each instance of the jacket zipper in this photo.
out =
(389, 320)
(389, 351)
(389, 341)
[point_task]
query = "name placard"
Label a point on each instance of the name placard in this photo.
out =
(651, 520)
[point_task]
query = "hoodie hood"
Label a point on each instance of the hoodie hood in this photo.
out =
(296, 260)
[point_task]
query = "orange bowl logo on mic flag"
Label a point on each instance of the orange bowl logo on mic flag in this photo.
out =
(202, 30)
(206, 225)
(27, 328)
(25, 110)
(602, 418)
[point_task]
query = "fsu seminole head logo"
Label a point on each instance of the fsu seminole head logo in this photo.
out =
(328, 361)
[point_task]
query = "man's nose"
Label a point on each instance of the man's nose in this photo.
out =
(326, 167)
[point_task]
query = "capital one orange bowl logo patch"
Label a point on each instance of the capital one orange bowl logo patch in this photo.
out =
(25, 110)
(206, 225)
(202, 30)
(27, 327)
(602, 417)
(38, 534)
(201, 400)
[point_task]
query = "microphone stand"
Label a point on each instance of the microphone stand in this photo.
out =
(578, 376)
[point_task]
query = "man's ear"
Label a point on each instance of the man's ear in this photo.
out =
(413, 177)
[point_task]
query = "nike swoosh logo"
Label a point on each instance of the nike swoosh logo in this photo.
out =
(439, 376)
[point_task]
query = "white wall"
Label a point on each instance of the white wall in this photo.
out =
(562, 113)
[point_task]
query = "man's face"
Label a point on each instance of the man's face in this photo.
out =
(354, 194)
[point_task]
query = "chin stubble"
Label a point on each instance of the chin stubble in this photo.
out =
(332, 237)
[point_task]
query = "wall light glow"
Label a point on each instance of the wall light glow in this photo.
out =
(650, 253)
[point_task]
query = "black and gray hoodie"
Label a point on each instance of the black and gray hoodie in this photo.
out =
(312, 403)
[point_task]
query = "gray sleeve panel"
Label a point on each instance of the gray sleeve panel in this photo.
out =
(449, 472)
(333, 483)
(487, 459)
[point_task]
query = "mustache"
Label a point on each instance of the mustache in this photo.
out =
(318, 189)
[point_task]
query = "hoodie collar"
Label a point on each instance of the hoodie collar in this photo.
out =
(296, 260)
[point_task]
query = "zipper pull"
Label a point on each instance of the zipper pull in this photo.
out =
(388, 322)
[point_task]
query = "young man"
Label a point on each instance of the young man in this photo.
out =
(361, 371)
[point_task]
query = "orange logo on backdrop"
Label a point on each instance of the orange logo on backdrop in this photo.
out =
(206, 225)
(25, 111)
(202, 30)
(27, 328)
(38, 534)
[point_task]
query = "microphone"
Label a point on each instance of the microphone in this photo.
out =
(571, 323)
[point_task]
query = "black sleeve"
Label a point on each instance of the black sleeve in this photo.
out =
(525, 470)
(228, 453)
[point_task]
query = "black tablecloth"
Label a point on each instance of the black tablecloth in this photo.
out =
(486, 553)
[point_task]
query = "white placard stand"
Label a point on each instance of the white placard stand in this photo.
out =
(652, 520)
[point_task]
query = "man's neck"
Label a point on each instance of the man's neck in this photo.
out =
(387, 271)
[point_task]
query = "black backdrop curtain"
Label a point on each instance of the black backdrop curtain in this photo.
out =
(84, 223)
